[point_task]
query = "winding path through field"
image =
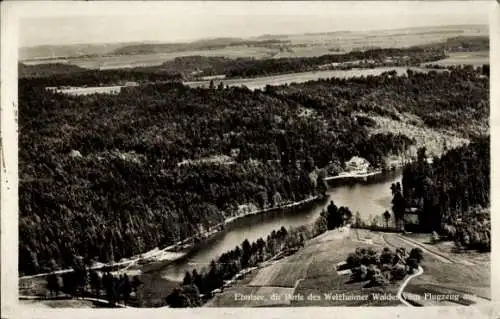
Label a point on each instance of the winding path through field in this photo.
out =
(440, 256)
(403, 286)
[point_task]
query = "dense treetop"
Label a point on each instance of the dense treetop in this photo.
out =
(448, 190)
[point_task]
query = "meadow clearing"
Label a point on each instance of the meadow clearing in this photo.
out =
(477, 58)
(310, 277)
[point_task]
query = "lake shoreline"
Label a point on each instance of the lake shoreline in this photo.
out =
(181, 246)
(219, 229)
(147, 262)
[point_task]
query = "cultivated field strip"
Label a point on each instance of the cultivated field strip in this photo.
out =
(396, 241)
(439, 257)
(281, 274)
(430, 250)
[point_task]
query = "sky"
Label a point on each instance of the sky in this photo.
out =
(111, 22)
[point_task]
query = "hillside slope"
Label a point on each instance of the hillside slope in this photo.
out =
(312, 272)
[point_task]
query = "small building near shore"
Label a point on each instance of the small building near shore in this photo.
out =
(357, 163)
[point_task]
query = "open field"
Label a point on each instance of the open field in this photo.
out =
(154, 59)
(309, 277)
(448, 248)
(396, 38)
(130, 61)
(310, 271)
(460, 273)
(294, 45)
(462, 278)
(474, 58)
(322, 278)
(281, 274)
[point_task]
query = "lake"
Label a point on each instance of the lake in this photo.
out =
(369, 197)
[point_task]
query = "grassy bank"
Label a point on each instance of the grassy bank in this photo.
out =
(312, 271)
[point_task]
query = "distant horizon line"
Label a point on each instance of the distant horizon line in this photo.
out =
(248, 37)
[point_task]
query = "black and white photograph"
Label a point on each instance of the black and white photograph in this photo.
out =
(253, 154)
